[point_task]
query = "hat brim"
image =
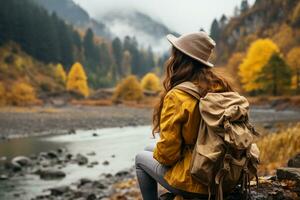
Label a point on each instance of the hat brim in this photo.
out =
(172, 39)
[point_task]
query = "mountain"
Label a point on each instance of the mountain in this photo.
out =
(74, 14)
(278, 20)
(145, 29)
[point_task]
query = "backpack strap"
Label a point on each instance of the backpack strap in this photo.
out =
(189, 88)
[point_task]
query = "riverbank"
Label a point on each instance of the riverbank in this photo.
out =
(22, 122)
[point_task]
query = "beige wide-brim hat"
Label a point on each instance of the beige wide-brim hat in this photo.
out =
(198, 46)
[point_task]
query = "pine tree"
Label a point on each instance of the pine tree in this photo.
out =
(215, 30)
(275, 76)
(77, 80)
(118, 53)
(244, 6)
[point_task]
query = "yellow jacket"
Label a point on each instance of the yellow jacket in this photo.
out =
(179, 125)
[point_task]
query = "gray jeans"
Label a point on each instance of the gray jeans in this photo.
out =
(150, 172)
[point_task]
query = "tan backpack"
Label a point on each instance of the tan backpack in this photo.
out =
(224, 155)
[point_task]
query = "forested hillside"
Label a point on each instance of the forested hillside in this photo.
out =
(48, 39)
(278, 20)
(247, 40)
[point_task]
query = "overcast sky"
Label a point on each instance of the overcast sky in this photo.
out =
(179, 15)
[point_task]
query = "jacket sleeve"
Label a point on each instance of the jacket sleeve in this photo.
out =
(168, 148)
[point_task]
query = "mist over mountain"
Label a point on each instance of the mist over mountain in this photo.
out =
(145, 29)
(113, 23)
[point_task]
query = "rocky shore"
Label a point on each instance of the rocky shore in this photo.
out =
(123, 185)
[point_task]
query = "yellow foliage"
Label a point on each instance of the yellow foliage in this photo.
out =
(151, 82)
(2, 94)
(128, 89)
(77, 80)
(293, 58)
(294, 62)
(60, 73)
(22, 94)
(257, 56)
(277, 148)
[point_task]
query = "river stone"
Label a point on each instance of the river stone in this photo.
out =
(49, 174)
(105, 162)
(3, 177)
(58, 191)
(93, 153)
(22, 161)
(52, 154)
(13, 166)
(81, 159)
(288, 173)
(122, 173)
(295, 161)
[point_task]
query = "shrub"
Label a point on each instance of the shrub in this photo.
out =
(277, 148)
(22, 94)
(2, 94)
(129, 89)
(151, 82)
(77, 80)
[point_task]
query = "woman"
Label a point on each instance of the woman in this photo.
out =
(177, 118)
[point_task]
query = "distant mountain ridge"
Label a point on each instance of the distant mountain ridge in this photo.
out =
(74, 14)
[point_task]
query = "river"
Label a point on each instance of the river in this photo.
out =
(116, 145)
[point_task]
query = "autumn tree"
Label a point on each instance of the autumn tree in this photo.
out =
(293, 59)
(275, 77)
(151, 82)
(60, 74)
(77, 80)
(128, 89)
(257, 56)
(22, 94)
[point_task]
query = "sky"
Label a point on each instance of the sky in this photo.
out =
(179, 15)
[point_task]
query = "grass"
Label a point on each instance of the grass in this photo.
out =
(277, 148)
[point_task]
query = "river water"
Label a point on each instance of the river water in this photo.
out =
(123, 143)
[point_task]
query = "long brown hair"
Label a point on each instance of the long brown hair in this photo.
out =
(180, 68)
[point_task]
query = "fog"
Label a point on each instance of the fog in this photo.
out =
(180, 15)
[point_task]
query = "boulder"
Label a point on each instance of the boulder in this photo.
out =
(294, 161)
(50, 174)
(81, 159)
(58, 191)
(23, 161)
(3, 177)
(105, 162)
(52, 155)
(288, 173)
